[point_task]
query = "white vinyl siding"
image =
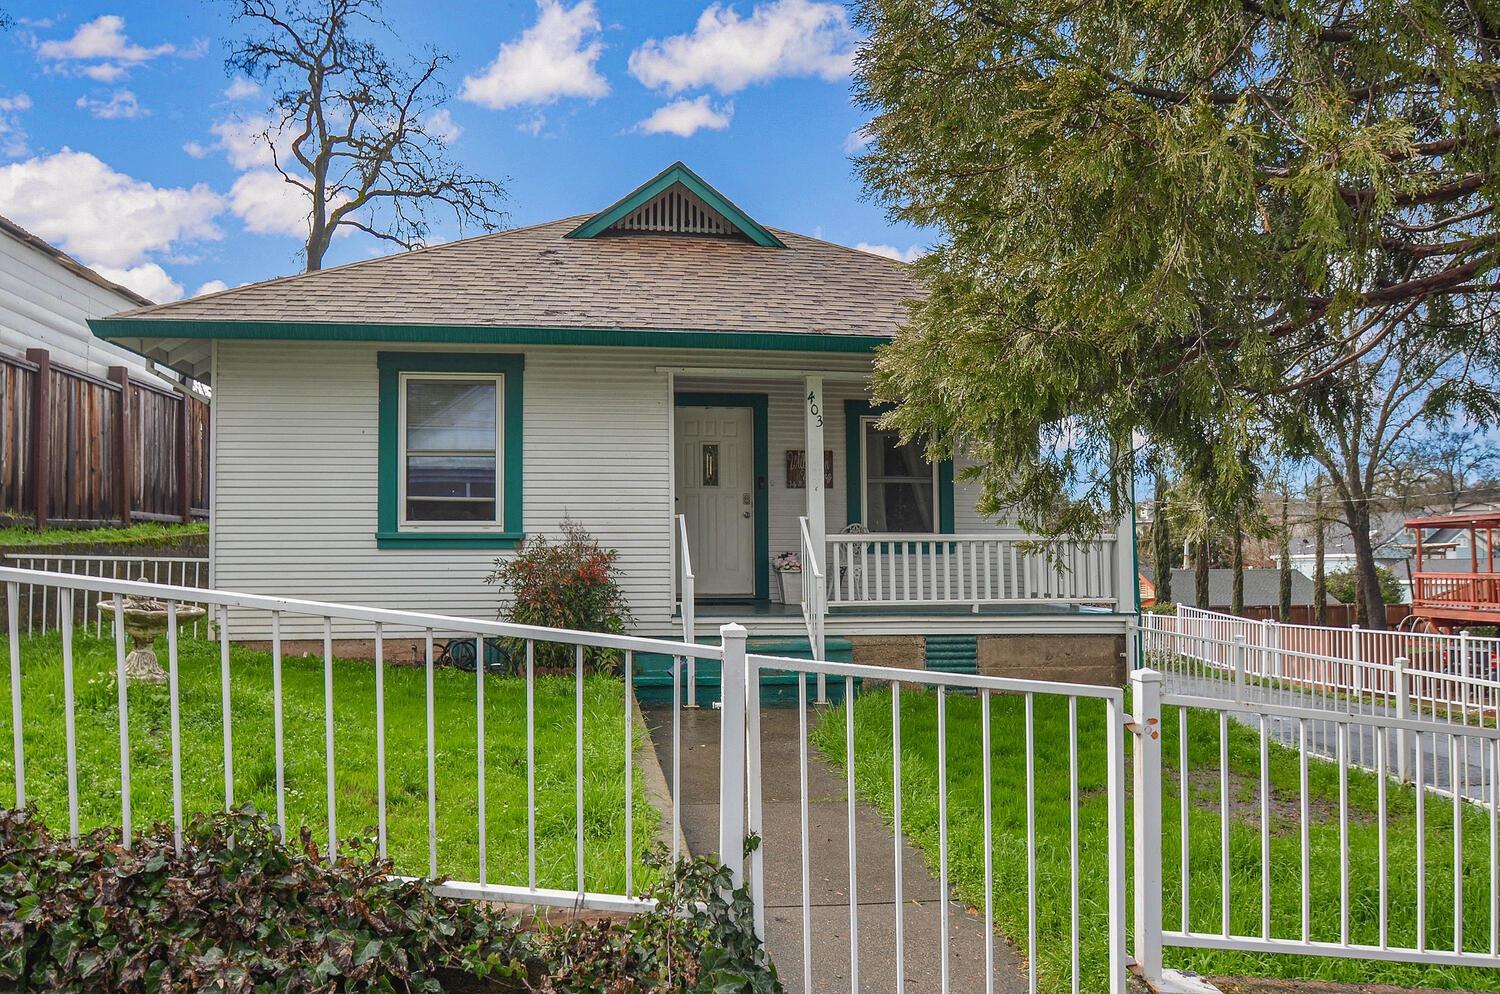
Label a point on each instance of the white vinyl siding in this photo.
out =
(296, 467)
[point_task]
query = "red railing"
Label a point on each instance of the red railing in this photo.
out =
(1463, 591)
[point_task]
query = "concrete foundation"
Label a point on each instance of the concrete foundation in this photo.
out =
(1093, 659)
(908, 651)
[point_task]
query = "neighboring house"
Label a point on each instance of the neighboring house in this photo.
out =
(1388, 535)
(65, 454)
(386, 429)
(1262, 588)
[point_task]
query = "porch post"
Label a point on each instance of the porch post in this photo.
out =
(812, 391)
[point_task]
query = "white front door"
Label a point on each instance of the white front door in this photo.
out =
(716, 491)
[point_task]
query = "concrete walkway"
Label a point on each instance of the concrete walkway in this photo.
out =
(829, 870)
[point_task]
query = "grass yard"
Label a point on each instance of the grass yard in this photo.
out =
(966, 857)
(17, 537)
(355, 756)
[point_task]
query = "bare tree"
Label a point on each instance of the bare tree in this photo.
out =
(351, 129)
(1453, 465)
(1357, 425)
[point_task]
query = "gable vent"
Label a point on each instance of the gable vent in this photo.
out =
(678, 211)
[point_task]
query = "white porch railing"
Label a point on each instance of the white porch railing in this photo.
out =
(689, 600)
(970, 569)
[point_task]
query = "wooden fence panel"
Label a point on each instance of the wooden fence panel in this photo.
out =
(83, 472)
(15, 433)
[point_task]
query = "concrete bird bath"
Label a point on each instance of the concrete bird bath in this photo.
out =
(145, 619)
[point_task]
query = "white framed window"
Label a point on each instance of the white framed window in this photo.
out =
(899, 486)
(451, 457)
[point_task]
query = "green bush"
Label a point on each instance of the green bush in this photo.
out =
(238, 911)
(1343, 586)
(572, 583)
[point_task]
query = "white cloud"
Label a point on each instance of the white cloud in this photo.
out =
(104, 217)
(912, 254)
(729, 52)
(242, 140)
(212, 286)
(858, 140)
(100, 49)
(534, 124)
(197, 150)
(121, 105)
(553, 58)
(242, 89)
(12, 135)
(269, 205)
(441, 125)
(685, 117)
(148, 279)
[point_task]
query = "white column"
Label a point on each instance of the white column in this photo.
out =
(815, 412)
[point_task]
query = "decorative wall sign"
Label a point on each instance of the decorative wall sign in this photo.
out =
(796, 469)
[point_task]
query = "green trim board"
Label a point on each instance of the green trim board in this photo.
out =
(114, 329)
(854, 411)
(391, 365)
(677, 174)
(759, 423)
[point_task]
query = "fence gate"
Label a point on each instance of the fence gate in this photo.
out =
(1020, 783)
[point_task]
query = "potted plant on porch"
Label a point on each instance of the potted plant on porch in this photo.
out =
(789, 571)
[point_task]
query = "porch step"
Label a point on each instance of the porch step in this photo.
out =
(653, 672)
(953, 653)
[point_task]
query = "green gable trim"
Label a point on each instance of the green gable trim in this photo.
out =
(854, 412)
(759, 422)
(676, 173)
(391, 365)
(292, 331)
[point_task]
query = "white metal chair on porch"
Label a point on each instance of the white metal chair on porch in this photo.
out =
(851, 571)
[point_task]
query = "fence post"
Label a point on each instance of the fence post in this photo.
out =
(732, 753)
(41, 434)
(1239, 666)
(1145, 686)
(1356, 661)
(120, 375)
(1403, 711)
(184, 458)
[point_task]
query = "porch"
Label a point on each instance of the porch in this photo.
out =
(1448, 586)
(882, 542)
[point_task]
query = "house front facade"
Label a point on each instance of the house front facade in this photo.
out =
(658, 372)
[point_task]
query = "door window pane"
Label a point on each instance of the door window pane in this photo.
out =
(899, 481)
(452, 456)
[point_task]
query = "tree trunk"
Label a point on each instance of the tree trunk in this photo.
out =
(1320, 574)
(1371, 607)
(1285, 590)
(1237, 563)
(1200, 573)
(1161, 543)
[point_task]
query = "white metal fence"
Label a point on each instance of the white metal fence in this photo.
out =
(68, 592)
(1453, 677)
(1424, 798)
(41, 604)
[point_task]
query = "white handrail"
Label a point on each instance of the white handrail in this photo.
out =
(689, 607)
(814, 596)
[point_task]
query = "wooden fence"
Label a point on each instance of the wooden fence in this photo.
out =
(78, 449)
(1339, 615)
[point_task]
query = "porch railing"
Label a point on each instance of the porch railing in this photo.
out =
(1457, 591)
(814, 596)
(973, 570)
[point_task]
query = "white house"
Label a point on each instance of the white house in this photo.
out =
(384, 430)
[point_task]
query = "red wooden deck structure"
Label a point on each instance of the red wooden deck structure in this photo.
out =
(1453, 597)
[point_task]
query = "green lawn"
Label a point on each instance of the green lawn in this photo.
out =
(17, 537)
(966, 865)
(355, 756)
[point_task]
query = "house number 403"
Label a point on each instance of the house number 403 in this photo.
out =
(814, 408)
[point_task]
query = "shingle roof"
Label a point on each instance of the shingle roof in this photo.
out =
(1262, 586)
(535, 277)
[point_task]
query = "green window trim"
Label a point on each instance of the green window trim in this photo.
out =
(391, 366)
(759, 419)
(854, 412)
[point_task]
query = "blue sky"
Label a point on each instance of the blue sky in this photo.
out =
(124, 142)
